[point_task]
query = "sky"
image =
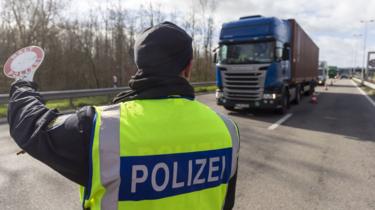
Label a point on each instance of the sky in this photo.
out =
(331, 24)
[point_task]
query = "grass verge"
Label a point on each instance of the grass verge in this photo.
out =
(3, 111)
(205, 89)
(65, 104)
(369, 91)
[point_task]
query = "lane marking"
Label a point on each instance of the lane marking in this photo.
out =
(279, 122)
(364, 93)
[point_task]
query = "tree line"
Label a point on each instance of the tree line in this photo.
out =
(86, 50)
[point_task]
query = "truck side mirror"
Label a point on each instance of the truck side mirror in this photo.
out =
(215, 54)
(285, 54)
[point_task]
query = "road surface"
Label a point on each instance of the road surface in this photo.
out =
(320, 156)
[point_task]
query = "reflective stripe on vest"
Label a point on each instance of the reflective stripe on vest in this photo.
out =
(109, 156)
(235, 137)
(140, 164)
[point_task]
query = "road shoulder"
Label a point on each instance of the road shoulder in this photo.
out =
(367, 92)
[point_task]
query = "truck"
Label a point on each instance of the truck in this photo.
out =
(323, 73)
(264, 63)
(332, 72)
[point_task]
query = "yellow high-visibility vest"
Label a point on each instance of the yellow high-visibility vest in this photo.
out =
(163, 154)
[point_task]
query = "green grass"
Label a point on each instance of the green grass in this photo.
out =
(65, 104)
(3, 111)
(369, 91)
(58, 104)
(205, 89)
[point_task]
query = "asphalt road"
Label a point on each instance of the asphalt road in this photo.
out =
(321, 157)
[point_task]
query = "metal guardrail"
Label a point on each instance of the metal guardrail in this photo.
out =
(366, 83)
(71, 94)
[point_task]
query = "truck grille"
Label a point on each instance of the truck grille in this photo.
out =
(243, 86)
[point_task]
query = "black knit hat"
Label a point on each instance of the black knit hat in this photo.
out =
(162, 50)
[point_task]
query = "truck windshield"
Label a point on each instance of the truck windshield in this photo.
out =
(248, 53)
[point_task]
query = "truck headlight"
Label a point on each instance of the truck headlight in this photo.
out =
(219, 94)
(269, 96)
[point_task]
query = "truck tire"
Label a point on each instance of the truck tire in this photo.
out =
(311, 89)
(297, 100)
(284, 103)
(306, 93)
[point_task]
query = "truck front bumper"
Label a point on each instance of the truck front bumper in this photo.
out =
(270, 103)
(259, 104)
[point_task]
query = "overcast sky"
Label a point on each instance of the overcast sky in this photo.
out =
(331, 23)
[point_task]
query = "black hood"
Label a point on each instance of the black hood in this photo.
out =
(162, 50)
(161, 53)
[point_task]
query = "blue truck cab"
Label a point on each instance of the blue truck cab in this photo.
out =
(254, 64)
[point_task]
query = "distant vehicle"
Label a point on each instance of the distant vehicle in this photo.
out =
(332, 72)
(345, 73)
(344, 76)
(323, 73)
(264, 63)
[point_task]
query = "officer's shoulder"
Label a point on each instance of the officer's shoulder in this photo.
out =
(86, 112)
(83, 117)
(86, 116)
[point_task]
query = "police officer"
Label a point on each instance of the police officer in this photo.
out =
(155, 148)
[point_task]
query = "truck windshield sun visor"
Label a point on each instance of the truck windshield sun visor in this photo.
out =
(247, 53)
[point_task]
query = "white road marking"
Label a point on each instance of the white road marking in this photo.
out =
(279, 122)
(364, 93)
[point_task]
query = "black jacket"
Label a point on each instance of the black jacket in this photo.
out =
(60, 141)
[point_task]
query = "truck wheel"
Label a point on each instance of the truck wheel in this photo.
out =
(307, 93)
(311, 89)
(297, 100)
(284, 104)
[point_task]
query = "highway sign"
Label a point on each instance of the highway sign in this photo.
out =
(371, 60)
(371, 63)
(24, 62)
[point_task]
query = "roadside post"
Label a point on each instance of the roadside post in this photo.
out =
(365, 22)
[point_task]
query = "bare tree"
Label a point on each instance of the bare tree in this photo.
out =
(119, 39)
(84, 52)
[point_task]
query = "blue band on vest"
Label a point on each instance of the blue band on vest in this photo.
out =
(160, 176)
(87, 191)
